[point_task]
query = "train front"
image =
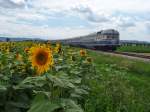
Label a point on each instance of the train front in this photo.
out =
(107, 40)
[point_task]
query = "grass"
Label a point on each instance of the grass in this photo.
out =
(122, 85)
(137, 49)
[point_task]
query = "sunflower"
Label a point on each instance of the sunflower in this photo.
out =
(41, 58)
(58, 48)
(82, 53)
(7, 50)
(26, 50)
(48, 44)
(18, 57)
(89, 59)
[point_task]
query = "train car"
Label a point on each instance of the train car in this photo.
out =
(103, 40)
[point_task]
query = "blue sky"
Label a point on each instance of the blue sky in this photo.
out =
(55, 19)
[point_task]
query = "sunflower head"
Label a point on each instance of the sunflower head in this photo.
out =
(48, 44)
(41, 58)
(7, 50)
(89, 59)
(82, 53)
(58, 48)
(18, 56)
(58, 44)
(26, 50)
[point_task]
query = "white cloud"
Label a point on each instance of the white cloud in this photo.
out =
(27, 30)
(30, 16)
(18, 1)
(90, 15)
(12, 4)
(98, 14)
(124, 5)
(96, 5)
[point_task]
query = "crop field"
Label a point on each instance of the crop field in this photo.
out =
(123, 85)
(38, 77)
(136, 49)
(41, 77)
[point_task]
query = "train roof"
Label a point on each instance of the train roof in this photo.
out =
(108, 32)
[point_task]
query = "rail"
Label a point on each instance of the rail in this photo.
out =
(132, 54)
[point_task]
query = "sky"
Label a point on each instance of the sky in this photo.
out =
(58, 19)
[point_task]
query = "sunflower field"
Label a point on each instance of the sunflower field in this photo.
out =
(40, 77)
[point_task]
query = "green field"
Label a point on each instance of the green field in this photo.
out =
(137, 49)
(57, 78)
(122, 85)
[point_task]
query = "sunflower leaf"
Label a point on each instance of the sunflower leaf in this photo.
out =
(31, 82)
(42, 104)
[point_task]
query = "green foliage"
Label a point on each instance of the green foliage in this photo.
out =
(61, 89)
(119, 87)
(137, 49)
(110, 84)
(42, 104)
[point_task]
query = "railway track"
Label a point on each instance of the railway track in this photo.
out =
(131, 55)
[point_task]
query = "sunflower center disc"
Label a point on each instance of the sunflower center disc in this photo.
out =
(42, 58)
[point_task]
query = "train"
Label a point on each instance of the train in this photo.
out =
(103, 40)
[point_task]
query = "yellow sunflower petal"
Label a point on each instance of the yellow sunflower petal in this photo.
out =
(41, 58)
